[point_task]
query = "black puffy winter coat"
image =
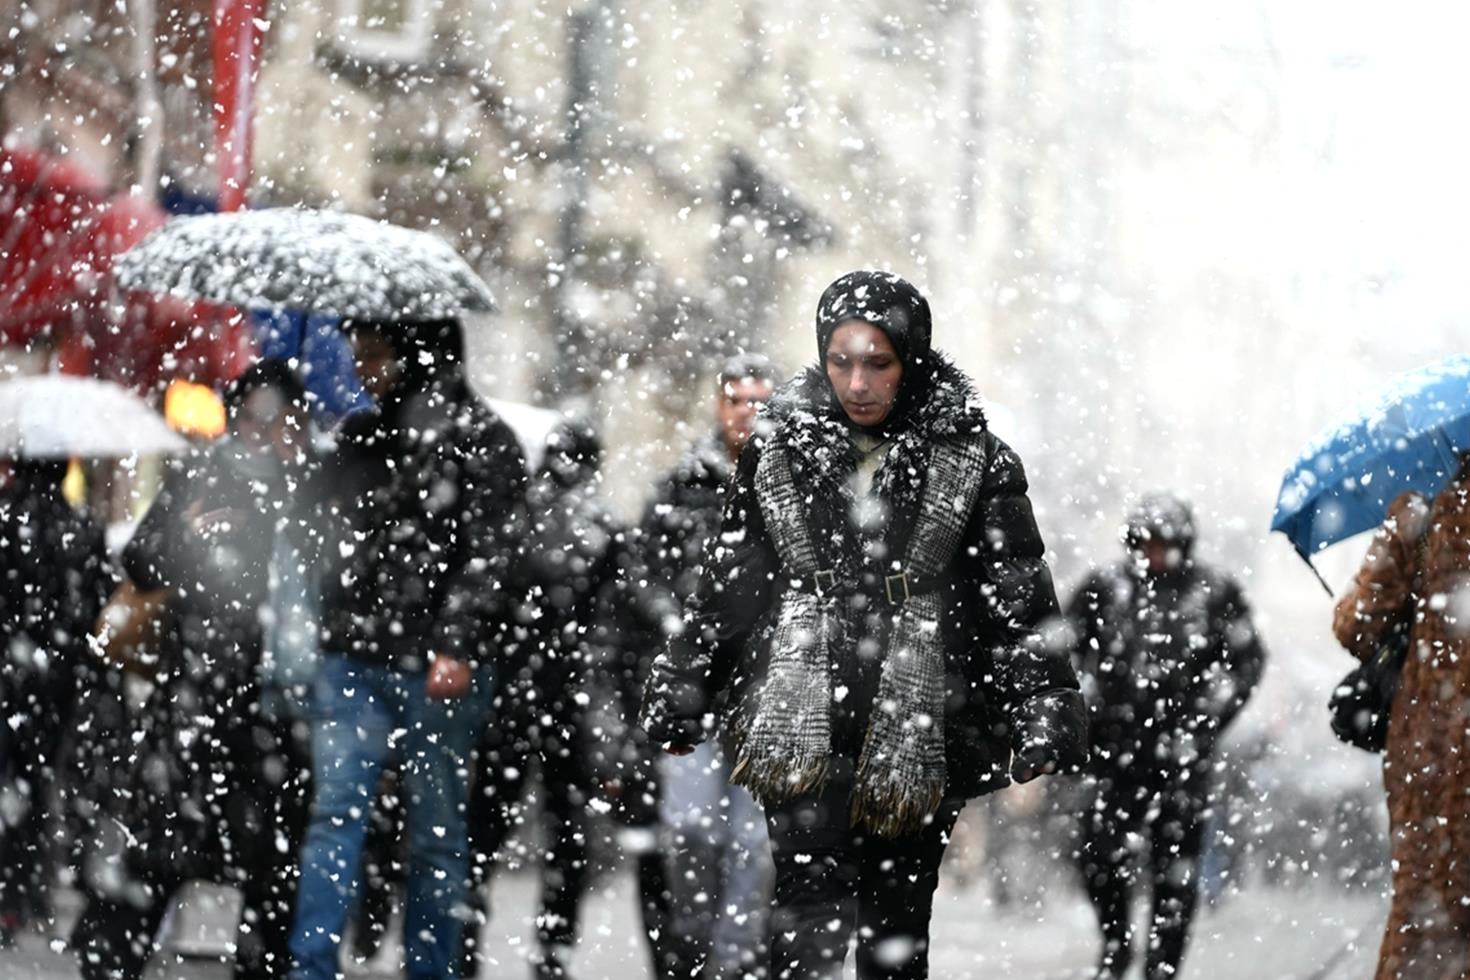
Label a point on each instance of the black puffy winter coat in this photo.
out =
(429, 494)
(1167, 661)
(55, 574)
(1002, 687)
(680, 520)
(207, 769)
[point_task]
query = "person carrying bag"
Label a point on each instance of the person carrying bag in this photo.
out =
(1362, 700)
(1411, 583)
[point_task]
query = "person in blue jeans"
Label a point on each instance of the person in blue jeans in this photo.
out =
(428, 495)
(362, 714)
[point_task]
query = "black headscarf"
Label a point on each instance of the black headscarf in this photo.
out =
(893, 305)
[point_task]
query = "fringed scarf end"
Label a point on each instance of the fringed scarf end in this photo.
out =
(890, 811)
(778, 780)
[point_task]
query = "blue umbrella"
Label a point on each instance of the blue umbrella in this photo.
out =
(1408, 438)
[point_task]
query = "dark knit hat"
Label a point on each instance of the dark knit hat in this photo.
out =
(1162, 517)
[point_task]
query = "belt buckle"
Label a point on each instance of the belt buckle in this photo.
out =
(825, 581)
(903, 579)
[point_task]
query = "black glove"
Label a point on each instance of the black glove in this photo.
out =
(1049, 734)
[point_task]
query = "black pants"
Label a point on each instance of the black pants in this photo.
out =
(114, 939)
(827, 873)
(1164, 815)
(38, 704)
(503, 759)
(261, 818)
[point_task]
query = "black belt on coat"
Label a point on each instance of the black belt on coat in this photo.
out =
(894, 588)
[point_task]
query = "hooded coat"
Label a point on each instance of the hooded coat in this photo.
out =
(428, 490)
(1169, 659)
(1002, 689)
(1419, 558)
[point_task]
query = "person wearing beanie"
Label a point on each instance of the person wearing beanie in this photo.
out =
(1168, 656)
(866, 635)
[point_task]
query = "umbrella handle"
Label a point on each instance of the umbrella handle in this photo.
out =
(1325, 587)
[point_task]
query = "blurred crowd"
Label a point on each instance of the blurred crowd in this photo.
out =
(346, 672)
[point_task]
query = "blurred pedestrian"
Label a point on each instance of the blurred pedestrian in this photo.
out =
(867, 627)
(570, 573)
(1168, 656)
(429, 491)
(216, 784)
(718, 870)
(54, 578)
(1413, 578)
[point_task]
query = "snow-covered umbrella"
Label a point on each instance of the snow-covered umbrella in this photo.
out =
(301, 259)
(59, 416)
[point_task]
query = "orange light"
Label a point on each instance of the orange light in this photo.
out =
(74, 485)
(194, 410)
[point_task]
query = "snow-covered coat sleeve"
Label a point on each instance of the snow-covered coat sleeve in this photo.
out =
(1030, 677)
(1083, 636)
(1241, 654)
(735, 591)
(480, 589)
(1383, 586)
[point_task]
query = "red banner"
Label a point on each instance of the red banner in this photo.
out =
(236, 50)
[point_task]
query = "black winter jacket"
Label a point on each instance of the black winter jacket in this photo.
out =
(206, 766)
(657, 569)
(429, 497)
(1003, 685)
(680, 520)
(1166, 661)
(55, 574)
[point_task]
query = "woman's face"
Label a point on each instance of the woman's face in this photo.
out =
(865, 372)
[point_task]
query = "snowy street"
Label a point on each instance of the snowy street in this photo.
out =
(1266, 932)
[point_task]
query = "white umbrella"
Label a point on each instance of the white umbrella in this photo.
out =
(58, 416)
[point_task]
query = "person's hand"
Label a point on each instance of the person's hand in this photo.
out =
(448, 678)
(1033, 761)
(675, 748)
(212, 523)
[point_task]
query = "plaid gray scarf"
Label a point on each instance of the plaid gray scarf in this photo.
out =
(783, 731)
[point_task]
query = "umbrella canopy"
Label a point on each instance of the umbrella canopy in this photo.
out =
(1408, 438)
(312, 261)
(59, 416)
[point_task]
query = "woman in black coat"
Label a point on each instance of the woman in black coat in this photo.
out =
(866, 634)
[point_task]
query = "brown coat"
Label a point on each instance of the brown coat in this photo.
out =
(1426, 764)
